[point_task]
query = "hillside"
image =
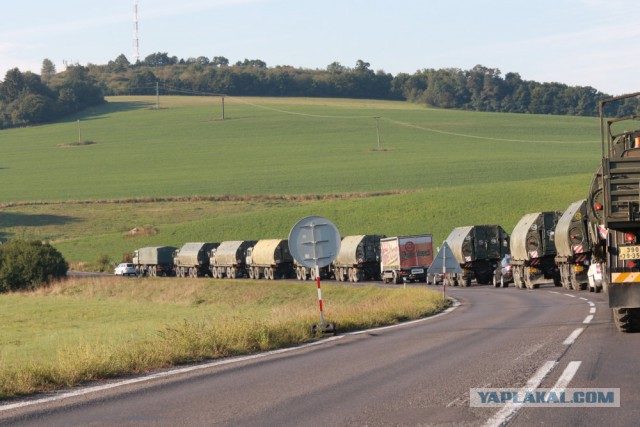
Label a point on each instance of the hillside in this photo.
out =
(437, 169)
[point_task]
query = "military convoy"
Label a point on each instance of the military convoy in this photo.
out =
(479, 250)
(599, 236)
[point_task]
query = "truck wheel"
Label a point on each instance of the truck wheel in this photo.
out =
(627, 319)
(527, 278)
(517, 277)
(496, 284)
(250, 270)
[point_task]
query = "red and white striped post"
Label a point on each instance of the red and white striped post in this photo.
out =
(319, 296)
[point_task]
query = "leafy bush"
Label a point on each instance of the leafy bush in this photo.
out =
(29, 264)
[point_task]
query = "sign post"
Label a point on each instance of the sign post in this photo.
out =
(445, 262)
(314, 242)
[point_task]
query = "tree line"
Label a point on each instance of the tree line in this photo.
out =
(42, 98)
(28, 98)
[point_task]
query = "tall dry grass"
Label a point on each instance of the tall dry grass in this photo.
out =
(229, 318)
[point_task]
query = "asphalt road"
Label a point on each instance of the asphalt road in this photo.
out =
(415, 374)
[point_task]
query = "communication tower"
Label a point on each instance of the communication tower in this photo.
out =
(136, 44)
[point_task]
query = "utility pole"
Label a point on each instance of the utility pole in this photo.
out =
(79, 133)
(223, 107)
(378, 130)
(157, 96)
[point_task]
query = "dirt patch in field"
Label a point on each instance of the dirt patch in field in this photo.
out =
(213, 198)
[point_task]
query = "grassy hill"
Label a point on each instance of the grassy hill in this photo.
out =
(436, 169)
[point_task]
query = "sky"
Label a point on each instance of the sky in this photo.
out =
(576, 42)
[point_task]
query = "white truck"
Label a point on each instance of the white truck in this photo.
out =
(406, 258)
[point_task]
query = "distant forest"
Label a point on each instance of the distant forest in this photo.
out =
(28, 98)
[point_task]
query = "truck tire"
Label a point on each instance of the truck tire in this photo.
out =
(517, 277)
(527, 278)
(250, 270)
(627, 319)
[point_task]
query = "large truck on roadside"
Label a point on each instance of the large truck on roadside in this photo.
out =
(574, 246)
(271, 259)
(614, 198)
(533, 250)
(230, 259)
(479, 250)
(358, 258)
(406, 258)
(192, 259)
(154, 260)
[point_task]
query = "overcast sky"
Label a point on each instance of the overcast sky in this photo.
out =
(577, 42)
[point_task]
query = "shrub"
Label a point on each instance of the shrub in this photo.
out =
(29, 264)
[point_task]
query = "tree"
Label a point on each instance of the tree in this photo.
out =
(29, 265)
(12, 85)
(220, 61)
(48, 70)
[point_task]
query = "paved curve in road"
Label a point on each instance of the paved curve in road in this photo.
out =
(418, 373)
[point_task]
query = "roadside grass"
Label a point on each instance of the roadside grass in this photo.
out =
(87, 329)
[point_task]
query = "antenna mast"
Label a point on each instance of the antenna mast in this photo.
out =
(136, 46)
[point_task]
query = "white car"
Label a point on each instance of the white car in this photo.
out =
(595, 277)
(125, 269)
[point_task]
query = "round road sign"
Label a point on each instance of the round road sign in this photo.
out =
(314, 241)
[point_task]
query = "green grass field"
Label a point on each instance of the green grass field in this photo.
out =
(457, 168)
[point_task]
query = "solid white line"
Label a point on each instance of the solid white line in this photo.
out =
(574, 335)
(588, 319)
(510, 409)
(567, 375)
(569, 295)
(178, 371)
(592, 310)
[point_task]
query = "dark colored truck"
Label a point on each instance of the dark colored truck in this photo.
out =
(533, 250)
(358, 258)
(574, 246)
(154, 260)
(479, 250)
(615, 199)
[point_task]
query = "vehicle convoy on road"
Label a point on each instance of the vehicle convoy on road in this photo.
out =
(154, 260)
(406, 258)
(479, 250)
(574, 246)
(230, 259)
(533, 250)
(358, 258)
(615, 200)
(270, 259)
(192, 259)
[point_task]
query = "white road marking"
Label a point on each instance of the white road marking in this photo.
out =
(583, 298)
(569, 295)
(591, 304)
(592, 310)
(588, 319)
(572, 338)
(510, 409)
(178, 371)
(567, 375)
